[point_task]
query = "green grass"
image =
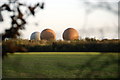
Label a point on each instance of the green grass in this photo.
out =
(61, 65)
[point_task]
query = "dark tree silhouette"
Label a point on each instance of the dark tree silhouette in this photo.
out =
(18, 21)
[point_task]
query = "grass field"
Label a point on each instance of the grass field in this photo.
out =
(61, 65)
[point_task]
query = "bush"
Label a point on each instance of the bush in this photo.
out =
(87, 45)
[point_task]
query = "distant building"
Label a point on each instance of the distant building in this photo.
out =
(35, 36)
(70, 34)
(48, 34)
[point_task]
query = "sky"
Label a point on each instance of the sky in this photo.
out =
(58, 15)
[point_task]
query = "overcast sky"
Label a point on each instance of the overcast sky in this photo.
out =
(59, 15)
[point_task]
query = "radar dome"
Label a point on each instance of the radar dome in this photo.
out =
(35, 36)
(48, 34)
(70, 34)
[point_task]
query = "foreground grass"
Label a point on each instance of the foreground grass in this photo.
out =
(94, 53)
(61, 65)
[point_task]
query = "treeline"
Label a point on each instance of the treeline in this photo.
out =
(83, 45)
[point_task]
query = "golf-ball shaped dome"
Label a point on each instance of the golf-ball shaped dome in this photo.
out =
(35, 36)
(70, 34)
(48, 34)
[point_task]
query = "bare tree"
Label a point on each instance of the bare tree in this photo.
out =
(18, 21)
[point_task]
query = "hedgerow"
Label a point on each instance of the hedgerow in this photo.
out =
(84, 45)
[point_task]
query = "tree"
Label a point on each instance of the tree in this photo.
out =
(18, 22)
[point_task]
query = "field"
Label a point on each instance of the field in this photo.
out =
(61, 65)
